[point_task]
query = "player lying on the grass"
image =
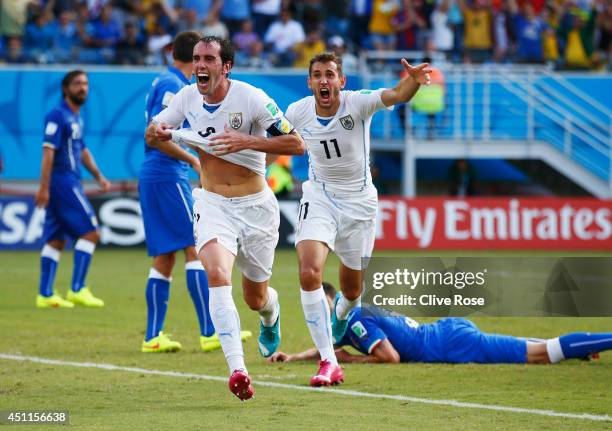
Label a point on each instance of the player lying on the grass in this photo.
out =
(386, 338)
(167, 211)
(339, 203)
(68, 212)
(236, 214)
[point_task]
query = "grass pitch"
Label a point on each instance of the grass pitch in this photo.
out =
(100, 399)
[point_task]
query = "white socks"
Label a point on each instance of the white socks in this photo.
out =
(269, 312)
(316, 312)
(553, 348)
(344, 306)
(225, 317)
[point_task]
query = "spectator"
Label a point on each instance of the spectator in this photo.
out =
(202, 8)
(265, 12)
(14, 51)
(529, 30)
(478, 37)
(131, 47)
(577, 32)
(604, 26)
(282, 36)
(105, 32)
(503, 34)
(408, 24)
(361, 12)
(160, 12)
(310, 14)
(65, 38)
(441, 33)
(455, 21)
(337, 19)
(214, 27)
(233, 13)
(13, 16)
(350, 63)
(430, 99)
(159, 46)
(38, 38)
(462, 176)
(382, 31)
(248, 46)
(307, 49)
(58, 7)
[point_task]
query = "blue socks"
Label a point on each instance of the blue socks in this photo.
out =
(49, 259)
(83, 249)
(578, 345)
(197, 284)
(157, 294)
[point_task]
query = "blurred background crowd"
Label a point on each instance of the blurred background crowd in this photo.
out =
(567, 34)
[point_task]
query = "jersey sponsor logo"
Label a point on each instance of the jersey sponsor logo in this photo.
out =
(235, 120)
(167, 98)
(347, 122)
(51, 128)
(359, 330)
(272, 109)
(365, 92)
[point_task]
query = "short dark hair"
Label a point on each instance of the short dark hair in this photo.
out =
(182, 46)
(226, 51)
(325, 57)
(329, 289)
(69, 77)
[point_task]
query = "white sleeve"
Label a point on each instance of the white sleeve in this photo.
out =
(264, 111)
(173, 113)
(192, 138)
(368, 102)
(290, 114)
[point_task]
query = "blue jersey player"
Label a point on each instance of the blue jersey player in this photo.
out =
(167, 211)
(68, 212)
(386, 338)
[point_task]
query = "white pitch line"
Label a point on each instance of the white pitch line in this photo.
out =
(332, 391)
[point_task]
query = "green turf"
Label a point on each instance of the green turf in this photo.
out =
(99, 399)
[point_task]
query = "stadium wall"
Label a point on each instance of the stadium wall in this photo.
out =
(114, 113)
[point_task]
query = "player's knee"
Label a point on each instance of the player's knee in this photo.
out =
(93, 236)
(255, 302)
(218, 276)
(311, 276)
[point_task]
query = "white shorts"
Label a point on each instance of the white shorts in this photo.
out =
(345, 222)
(247, 226)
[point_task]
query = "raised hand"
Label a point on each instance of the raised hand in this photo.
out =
(419, 73)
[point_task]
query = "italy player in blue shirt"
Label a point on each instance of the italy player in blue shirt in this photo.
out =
(386, 338)
(68, 212)
(167, 211)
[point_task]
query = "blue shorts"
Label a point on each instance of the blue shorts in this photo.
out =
(69, 213)
(464, 342)
(167, 213)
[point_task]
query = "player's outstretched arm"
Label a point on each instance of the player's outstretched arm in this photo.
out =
(42, 194)
(384, 353)
(307, 355)
(407, 87)
(231, 141)
(90, 163)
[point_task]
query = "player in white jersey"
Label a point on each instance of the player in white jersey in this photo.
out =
(236, 215)
(338, 207)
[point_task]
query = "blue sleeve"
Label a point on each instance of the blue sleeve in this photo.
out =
(164, 92)
(54, 130)
(363, 333)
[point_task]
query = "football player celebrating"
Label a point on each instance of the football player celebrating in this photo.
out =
(236, 214)
(339, 203)
(69, 213)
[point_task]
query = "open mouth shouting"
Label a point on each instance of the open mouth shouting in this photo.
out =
(203, 79)
(325, 95)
